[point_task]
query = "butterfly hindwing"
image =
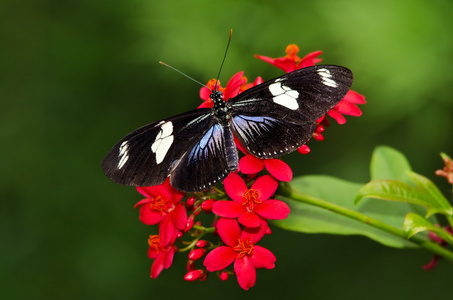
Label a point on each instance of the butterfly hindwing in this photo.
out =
(147, 156)
(270, 136)
(279, 115)
(204, 164)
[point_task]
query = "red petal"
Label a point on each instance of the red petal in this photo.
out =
(179, 217)
(348, 108)
(167, 231)
(150, 217)
(229, 231)
(228, 209)
(234, 85)
(168, 259)
(245, 272)
(154, 191)
(206, 104)
(273, 209)
(266, 187)
(249, 164)
(263, 258)
(205, 93)
(235, 187)
(255, 234)
(249, 219)
(157, 267)
(354, 97)
(219, 258)
(279, 169)
(337, 116)
(310, 59)
(176, 195)
(141, 202)
(284, 63)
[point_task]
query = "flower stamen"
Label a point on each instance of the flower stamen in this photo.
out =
(159, 204)
(244, 248)
(250, 199)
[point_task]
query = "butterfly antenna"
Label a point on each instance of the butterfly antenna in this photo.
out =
(183, 74)
(224, 56)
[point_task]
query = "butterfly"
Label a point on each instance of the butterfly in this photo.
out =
(196, 149)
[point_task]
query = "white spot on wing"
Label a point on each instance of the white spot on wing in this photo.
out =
(326, 78)
(163, 142)
(123, 154)
(284, 95)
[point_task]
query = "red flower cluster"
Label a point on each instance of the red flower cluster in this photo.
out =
(241, 210)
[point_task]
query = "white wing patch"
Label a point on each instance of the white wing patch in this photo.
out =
(284, 95)
(164, 140)
(327, 77)
(124, 154)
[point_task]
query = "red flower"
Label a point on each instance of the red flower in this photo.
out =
(291, 61)
(163, 256)
(347, 106)
(250, 164)
(163, 206)
(237, 84)
(250, 205)
(241, 249)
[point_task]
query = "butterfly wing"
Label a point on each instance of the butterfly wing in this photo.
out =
(148, 155)
(205, 163)
(279, 115)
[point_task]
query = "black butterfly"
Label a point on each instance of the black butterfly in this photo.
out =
(196, 149)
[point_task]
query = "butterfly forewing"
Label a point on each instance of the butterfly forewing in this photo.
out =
(279, 115)
(147, 156)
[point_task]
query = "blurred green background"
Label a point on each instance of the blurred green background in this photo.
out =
(78, 75)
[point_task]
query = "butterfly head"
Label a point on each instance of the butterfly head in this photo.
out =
(216, 96)
(220, 108)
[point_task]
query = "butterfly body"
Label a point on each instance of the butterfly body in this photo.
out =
(196, 149)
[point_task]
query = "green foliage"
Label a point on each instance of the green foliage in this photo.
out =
(311, 219)
(341, 216)
(414, 224)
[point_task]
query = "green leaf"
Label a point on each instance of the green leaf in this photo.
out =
(415, 223)
(310, 219)
(424, 194)
(388, 163)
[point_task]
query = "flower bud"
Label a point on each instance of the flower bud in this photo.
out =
(194, 275)
(207, 205)
(197, 253)
(189, 223)
(190, 202)
(201, 243)
(224, 276)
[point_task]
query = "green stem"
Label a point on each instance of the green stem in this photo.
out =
(285, 191)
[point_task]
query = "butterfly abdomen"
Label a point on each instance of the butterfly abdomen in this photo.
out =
(231, 152)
